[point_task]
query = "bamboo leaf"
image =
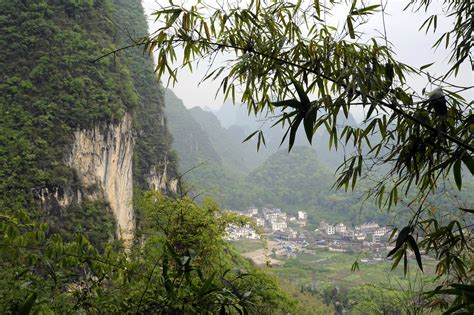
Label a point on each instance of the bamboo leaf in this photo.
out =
(294, 129)
(469, 162)
(426, 66)
(293, 103)
(414, 247)
(350, 27)
(457, 173)
(26, 307)
(250, 136)
(309, 120)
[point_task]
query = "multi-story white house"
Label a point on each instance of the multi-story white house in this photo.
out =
(360, 236)
(279, 225)
(253, 211)
(302, 215)
(369, 227)
(381, 231)
(330, 230)
(235, 232)
(259, 221)
(340, 228)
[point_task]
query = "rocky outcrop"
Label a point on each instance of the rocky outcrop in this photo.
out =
(157, 180)
(102, 158)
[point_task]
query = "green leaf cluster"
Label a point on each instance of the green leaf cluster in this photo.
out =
(181, 265)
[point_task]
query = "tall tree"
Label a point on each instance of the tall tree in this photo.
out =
(287, 60)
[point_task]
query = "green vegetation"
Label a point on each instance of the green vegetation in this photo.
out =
(65, 259)
(245, 246)
(93, 219)
(292, 62)
(56, 77)
(50, 86)
(326, 276)
(153, 148)
(206, 171)
(182, 266)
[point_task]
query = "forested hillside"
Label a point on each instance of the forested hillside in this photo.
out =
(190, 141)
(49, 88)
(237, 156)
(56, 81)
(300, 180)
(83, 135)
(153, 154)
(238, 176)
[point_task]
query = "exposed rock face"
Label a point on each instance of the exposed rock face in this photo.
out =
(102, 158)
(161, 180)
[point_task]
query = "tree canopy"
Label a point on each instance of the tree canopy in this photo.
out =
(287, 60)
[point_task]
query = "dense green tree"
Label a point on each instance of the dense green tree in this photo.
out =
(181, 266)
(287, 59)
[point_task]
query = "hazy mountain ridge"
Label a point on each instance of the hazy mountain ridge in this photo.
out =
(299, 180)
(232, 116)
(238, 156)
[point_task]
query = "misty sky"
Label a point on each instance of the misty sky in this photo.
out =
(411, 46)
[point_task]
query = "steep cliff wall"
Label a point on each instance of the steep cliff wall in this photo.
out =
(77, 134)
(154, 160)
(102, 157)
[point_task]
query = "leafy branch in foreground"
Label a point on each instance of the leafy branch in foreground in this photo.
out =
(285, 58)
(181, 265)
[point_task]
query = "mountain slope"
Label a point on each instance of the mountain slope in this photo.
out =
(154, 162)
(49, 89)
(71, 117)
(237, 156)
(190, 141)
(236, 116)
(291, 180)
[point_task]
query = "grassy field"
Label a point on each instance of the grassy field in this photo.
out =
(245, 246)
(335, 268)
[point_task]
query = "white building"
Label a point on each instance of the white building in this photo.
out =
(360, 236)
(271, 216)
(340, 228)
(235, 232)
(381, 231)
(253, 211)
(330, 230)
(369, 227)
(279, 225)
(285, 235)
(259, 221)
(301, 223)
(302, 215)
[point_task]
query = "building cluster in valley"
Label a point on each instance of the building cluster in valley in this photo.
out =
(271, 220)
(371, 231)
(280, 226)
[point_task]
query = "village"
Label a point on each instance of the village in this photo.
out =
(289, 235)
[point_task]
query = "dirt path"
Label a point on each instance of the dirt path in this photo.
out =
(260, 256)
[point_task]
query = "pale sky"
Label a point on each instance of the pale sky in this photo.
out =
(411, 46)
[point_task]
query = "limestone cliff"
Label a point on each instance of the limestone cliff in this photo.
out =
(69, 153)
(154, 161)
(102, 157)
(159, 178)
